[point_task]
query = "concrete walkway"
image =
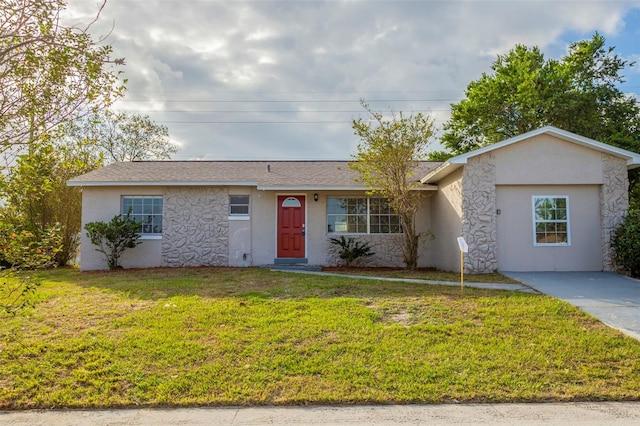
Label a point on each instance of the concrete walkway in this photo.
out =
(613, 299)
(560, 414)
(491, 286)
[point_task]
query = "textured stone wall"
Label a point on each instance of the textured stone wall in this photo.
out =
(479, 226)
(195, 227)
(387, 249)
(614, 201)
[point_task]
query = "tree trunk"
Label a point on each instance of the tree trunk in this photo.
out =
(411, 241)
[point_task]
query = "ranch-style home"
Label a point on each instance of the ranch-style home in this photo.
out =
(547, 200)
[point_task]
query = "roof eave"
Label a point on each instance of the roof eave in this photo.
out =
(443, 170)
(308, 188)
(331, 188)
(157, 183)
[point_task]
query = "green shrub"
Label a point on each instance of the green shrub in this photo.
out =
(22, 250)
(113, 238)
(626, 243)
(350, 250)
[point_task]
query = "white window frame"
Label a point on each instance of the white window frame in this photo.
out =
(367, 215)
(536, 221)
(145, 235)
(240, 216)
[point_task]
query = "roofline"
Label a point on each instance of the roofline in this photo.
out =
(308, 188)
(158, 183)
(216, 183)
(333, 188)
(454, 163)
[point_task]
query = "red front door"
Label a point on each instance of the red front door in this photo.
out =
(291, 226)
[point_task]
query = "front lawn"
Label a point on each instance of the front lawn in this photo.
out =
(222, 336)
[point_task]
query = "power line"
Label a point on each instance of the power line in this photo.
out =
(261, 101)
(266, 111)
(257, 122)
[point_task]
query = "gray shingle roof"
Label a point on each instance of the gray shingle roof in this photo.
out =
(263, 174)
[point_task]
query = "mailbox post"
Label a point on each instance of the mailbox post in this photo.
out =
(464, 248)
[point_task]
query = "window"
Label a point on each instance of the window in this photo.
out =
(291, 202)
(383, 218)
(361, 215)
(551, 220)
(239, 205)
(147, 211)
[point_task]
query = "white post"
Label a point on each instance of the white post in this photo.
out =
(464, 248)
(461, 272)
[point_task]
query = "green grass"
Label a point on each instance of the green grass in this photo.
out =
(219, 336)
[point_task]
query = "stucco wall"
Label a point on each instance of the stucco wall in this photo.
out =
(195, 227)
(198, 231)
(517, 251)
(263, 238)
(546, 160)
(102, 204)
(479, 214)
(614, 202)
(387, 248)
(446, 219)
(240, 228)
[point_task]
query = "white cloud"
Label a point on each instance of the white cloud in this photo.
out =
(214, 60)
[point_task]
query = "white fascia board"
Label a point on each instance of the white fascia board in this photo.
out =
(310, 188)
(159, 183)
(334, 188)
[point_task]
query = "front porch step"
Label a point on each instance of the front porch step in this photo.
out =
(290, 260)
(293, 267)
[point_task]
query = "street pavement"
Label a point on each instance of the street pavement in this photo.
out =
(560, 414)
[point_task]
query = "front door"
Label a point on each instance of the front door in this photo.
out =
(291, 226)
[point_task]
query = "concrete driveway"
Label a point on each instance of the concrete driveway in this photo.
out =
(613, 299)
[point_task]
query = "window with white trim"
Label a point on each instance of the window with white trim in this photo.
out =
(551, 220)
(361, 215)
(239, 205)
(147, 211)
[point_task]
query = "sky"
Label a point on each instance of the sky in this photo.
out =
(269, 80)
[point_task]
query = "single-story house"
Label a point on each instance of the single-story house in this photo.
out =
(547, 200)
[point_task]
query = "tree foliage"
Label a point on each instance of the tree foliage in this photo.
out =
(50, 73)
(114, 237)
(389, 151)
(35, 192)
(122, 136)
(577, 93)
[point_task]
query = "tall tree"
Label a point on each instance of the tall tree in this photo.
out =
(50, 73)
(577, 93)
(122, 136)
(389, 151)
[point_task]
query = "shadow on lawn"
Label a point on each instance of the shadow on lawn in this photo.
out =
(225, 282)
